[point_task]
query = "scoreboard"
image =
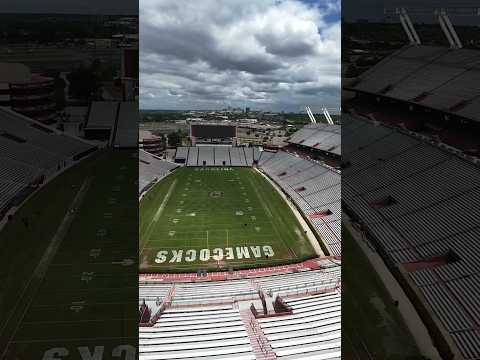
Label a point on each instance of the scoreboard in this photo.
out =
(213, 131)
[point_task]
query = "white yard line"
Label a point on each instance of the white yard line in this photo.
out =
(164, 202)
(265, 206)
(157, 215)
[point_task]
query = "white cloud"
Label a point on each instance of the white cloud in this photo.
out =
(265, 54)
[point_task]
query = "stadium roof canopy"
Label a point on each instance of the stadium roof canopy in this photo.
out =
(325, 137)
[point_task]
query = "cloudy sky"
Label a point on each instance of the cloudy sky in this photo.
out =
(265, 54)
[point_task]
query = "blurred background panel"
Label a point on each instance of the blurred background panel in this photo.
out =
(68, 179)
(410, 158)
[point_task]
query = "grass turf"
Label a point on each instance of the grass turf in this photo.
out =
(372, 327)
(209, 208)
(85, 299)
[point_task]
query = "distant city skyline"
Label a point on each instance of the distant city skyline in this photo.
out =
(276, 55)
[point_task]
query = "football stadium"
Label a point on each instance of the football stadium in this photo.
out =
(240, 248)
(66, 264)
(410, 163)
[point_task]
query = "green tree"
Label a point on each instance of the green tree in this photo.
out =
(174, 139)
(85, 82)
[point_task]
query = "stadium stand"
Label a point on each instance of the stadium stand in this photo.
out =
(248, 155)
(313, 187)
(435, 77)
(193, 333)
(256, 153)
(151, 169)
(205, 155)
(418, 204)
(325, 137)
(181, 155)
(101, 120)
(215, 319)
(193, 156)
(216, 155)
(312, 331)
(222, 156)
(126, 129)
(30, 153)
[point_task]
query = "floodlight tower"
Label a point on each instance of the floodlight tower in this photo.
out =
(327, 116)
(310, 114)
(448, 29)
(441, 14)
(408, 26)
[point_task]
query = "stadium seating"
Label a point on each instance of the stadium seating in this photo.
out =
(126, 131)
(222, 156)
(187, 293)
(206, 155)
(433, 198)
(30, 150)
(102, 115)
(212, 319)
(313, 331)
(248, 155)
(181, 154)
(193, 156)
(195, 333)
(437, 77)
(151, 169)
(256, 153)
(314, 188)
(326, 137)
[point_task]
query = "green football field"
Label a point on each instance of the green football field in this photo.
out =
(217, 218)
(69, 273)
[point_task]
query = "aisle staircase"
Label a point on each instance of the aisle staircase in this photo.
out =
(258, 340)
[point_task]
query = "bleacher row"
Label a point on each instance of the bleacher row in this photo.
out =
(436, 77)
(217, 155)
(313, 331)
(199, 326)
(120, 118)
(418, 202)
(229, 291)
(315, 189)
(151, 168)
(326, 137)
(29, 150)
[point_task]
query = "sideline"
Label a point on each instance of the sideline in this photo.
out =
(406, 309)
